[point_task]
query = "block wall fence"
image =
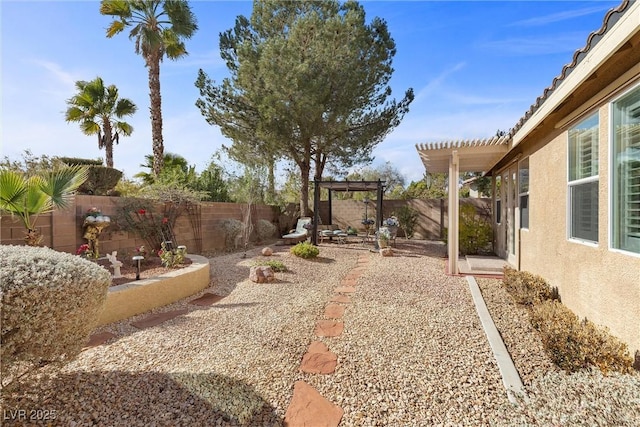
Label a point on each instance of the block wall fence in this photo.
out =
(62, 230)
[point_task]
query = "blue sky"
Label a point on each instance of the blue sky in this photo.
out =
(475, 67)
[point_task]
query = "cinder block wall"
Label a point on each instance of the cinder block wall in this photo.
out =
(63, 230)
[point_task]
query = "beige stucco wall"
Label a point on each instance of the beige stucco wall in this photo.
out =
(140, 296)
(595, 282)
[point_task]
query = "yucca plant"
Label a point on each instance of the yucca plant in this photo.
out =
(28, 197)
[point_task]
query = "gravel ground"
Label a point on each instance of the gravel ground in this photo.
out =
(413, 353)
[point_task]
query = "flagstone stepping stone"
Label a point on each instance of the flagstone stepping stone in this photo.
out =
(318, 359)
(348, 282)
(341, 298)
(329, 328)
(309, 409)
(353, 276)
(99, 339)
(334, 311)
(206, 299)
(158, 318)
(345, 289)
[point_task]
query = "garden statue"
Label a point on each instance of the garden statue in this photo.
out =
(94, 223)
(115, 264)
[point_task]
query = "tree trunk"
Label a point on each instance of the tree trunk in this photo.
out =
(156, 112)
(304, 190)
(271, 182)
(108, 143)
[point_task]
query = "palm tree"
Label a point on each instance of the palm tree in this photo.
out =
(158, 29)
(175, 168)
(98, 109)
(29, 197)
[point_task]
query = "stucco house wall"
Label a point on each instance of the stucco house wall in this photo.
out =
(595, 282)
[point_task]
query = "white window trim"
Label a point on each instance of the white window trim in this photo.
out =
(526, 193)
(570, 238)
(611, 177)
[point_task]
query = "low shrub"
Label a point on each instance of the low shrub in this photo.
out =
(275, 265)
(476, 233)
(573, 344)
(171, 257)
(408, 219)
(265, 229)
(305, 250)
(232, 230)
(51, 302)
(527, 288)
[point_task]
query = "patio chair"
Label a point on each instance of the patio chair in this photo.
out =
(300, 233)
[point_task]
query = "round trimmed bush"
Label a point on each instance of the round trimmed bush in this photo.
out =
(305, 250)
(51, 301)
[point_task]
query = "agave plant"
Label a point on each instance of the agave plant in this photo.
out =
(29, 197)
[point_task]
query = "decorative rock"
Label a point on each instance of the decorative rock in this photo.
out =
(267, 251)
(319, 360)
(329, 328)
(334, 311)
(386, 252)
(308, 408)
(261, 274)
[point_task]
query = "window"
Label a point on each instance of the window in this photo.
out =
(626, 173)
(523, 192)
(583, 180)
(498, 201)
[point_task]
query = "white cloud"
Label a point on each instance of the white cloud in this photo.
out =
(435, 83)
(559, 16)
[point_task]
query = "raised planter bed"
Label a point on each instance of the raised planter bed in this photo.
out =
(140, 296)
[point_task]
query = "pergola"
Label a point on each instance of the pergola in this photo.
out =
(460, 156)
(377, 186)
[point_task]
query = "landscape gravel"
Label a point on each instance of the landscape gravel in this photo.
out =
(413, 352)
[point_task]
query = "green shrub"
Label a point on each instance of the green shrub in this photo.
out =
(232, 230)
(305, 250)
(73, 161)
(408, 219)
(51, 301)
(275, 265)
(101, 180)
(476, 234)
(265, 229)
(527, 288)
(171, 257)
(573, 344)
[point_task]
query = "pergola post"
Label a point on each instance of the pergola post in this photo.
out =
(454, 208)
(379, 205)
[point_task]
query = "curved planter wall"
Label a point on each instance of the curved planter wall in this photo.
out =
(140, 296)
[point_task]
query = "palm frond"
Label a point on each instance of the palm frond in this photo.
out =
(60, 185)
(12, 191)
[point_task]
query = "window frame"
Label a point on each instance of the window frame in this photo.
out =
(574, 182)
(521, 193)
(612, 174)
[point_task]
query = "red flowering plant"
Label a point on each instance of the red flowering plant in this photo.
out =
(84, 251)
(152, 220)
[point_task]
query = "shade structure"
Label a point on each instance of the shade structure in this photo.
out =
(453, 157)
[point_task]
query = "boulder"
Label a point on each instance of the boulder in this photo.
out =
(261, 274)
(267, 251)
(386, 252)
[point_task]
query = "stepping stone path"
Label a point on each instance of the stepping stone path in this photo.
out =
(99, 339)
(308, 407)
(156, 319)
(206, 299)
(319, 360)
